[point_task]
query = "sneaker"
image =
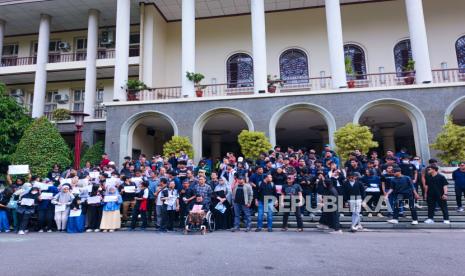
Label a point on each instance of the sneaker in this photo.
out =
(89, 230)
(335, 232)
(300, 230)
(380, 215)
(7, 231)
(353, 229)
(322, 227)
(284, 229)
(370, 215)
(41, 231)
(247, 230)
(49, 231)
(312, 216)
(270, 230)
(26, 231)
(429, 221)
(415, 222)
(21, 232)
(359, 227)
(447, 222)
(418, 206)
(97, 230)
(341, 215)
(111, 231)
(460, 209)
(393, 221)
(104, 231)
(235, 230)
(258, 230)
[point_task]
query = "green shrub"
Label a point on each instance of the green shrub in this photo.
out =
(42, 146)
(135, 85)
(253, 143)
(352, 137)
(451, 143)
(13, 122)
(61, 114)
(93, 154)
(178, 143)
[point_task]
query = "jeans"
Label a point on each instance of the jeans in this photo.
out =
(4, 225)
(411, 203)
(24, 221)
(159, 213)
(355, 208)
(46, 219)
(459, 192)
(298, 217)
(238, 208)
(269, 214)
(433, 201)
(171, 214)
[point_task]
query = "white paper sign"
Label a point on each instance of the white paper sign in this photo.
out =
(112, 181)
(44, 186)
(60, 208)
(75, 191)
(46, 196)
(83, 182)
(18, 169)
(75, 213)
(110, 198)
(93, 200)
(65, 181)
(27, 201)
(94, 175)
(130, 189)
(137, 180)
(89, 188)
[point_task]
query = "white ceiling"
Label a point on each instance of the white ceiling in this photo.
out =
(23, 16)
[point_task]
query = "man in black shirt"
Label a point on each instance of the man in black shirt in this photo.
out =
(292, 192)
(436, 194)
(403, 190)
(265, 199)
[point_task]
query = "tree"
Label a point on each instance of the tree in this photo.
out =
(253, 143)
(41, 147)
(13, 122)
(451, 143)
(178, 143)
(93, 154)
(352, 137)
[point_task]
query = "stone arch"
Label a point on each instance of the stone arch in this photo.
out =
(420, 131)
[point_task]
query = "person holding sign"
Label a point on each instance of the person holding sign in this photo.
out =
(62, 201)
(5, 197)
(26, 208)
(128, 193)
(111, 218)
(141, 206)
(76, 221)
(94, 209)
(47, 209)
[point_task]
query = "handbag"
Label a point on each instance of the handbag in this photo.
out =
(220, 207)
(12, 204)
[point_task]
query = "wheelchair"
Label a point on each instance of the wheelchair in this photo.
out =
(199, 222)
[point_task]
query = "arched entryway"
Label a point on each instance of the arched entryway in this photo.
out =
(396, 124)
(146, 132)
(216, 131)
(457, 111)
(302, 125)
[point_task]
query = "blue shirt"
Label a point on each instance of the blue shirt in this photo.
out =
(459, 177)
(113, 206)
(45, 204)
(153, 184)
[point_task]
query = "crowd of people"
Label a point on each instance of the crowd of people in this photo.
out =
(171, 192)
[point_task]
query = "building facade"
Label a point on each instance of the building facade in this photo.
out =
(332, 62)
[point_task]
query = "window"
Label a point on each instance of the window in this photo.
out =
(10, 50)
(460, 50)
(100, 92)
(357, 57)
(50, 102)
(78, 100)
(134, 45)
(81, 47)
(53, 51)
(402, 54)
(240, 71)
(293, 66)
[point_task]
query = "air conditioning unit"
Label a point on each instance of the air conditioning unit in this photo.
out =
(107, 37)
(61, 99)
(17, 93)
(64, 46)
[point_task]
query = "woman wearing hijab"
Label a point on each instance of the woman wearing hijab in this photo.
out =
(77, 219)
(330, 218)
(62, 201)
(221, 199)
(26, 207)
(111, 218)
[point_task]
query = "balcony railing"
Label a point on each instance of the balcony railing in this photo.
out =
(448, 75)
(100, 112)
(17, 61)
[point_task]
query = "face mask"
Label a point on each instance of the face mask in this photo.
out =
(405, 162)
(34, 192)
(352, 182)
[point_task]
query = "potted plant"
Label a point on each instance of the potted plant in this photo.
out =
(272, 83)
(349, 72)
(61, 114)
(133, 87)
(196, 78)
(409, 72)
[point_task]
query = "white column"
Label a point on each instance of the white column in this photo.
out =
(148, 46)
(336, 43)
(215, 140)
(91, 63)
(2, 34)
(419, 40)
(389, 142)
(40, 82)
(259, 45)
(188, 46)
(123, 22)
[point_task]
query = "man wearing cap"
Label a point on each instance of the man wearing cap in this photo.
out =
(242, 200)
(459, 178)
(403, 189)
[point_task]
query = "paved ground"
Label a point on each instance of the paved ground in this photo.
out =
(419, 252)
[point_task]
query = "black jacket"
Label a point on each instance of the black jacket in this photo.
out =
(357, 190)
